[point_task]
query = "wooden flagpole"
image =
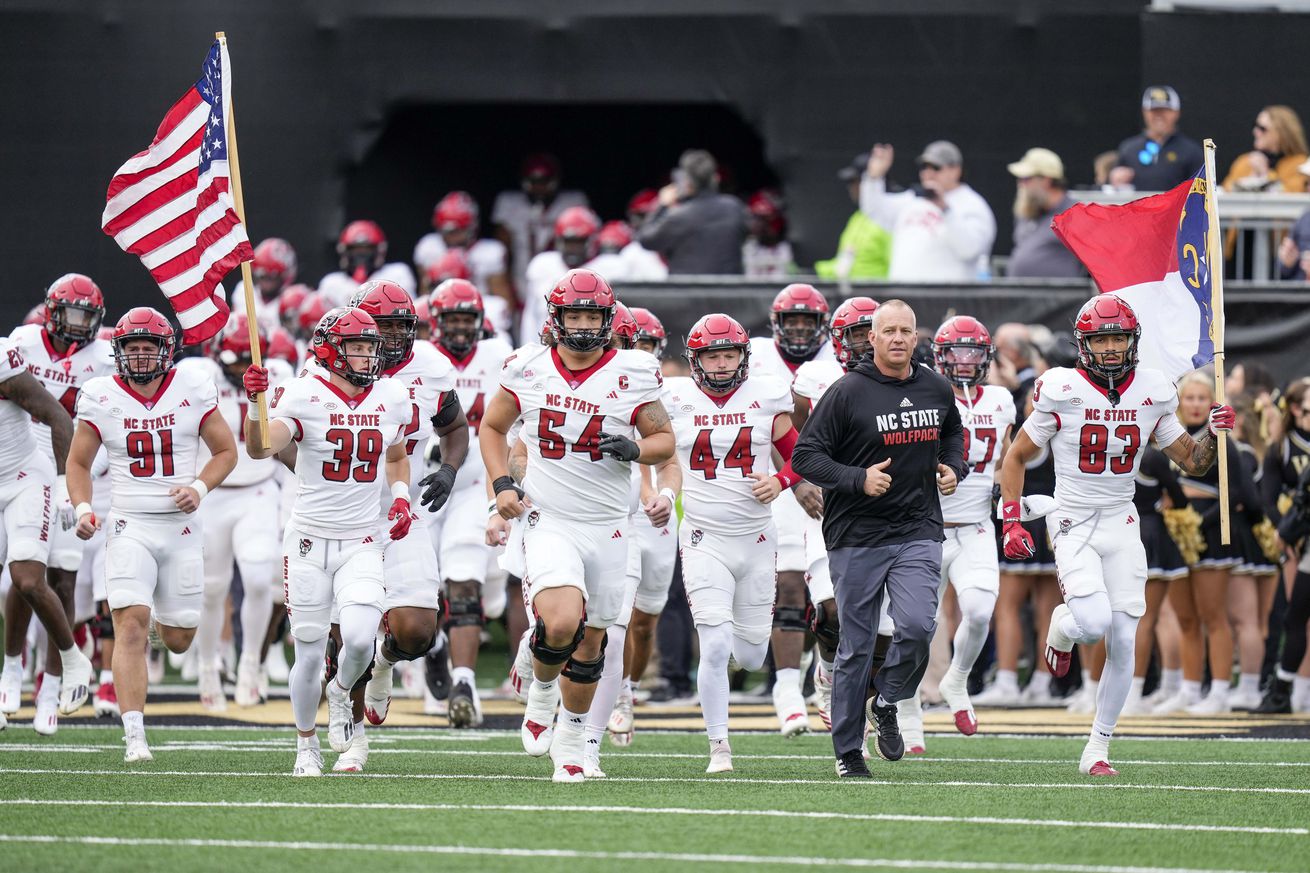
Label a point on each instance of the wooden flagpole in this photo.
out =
(258, 421)
(1215, 261)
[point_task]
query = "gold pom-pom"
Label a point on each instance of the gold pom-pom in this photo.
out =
(1284, 503)
(1184, 527)
(1267, 537)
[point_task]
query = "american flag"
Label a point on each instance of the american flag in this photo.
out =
(171, 205)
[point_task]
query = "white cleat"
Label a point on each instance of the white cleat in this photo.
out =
(377, 694)
(622, 724)
(1214, 703)
(997, 694)
(354, 758)
(1136, 704)
(539, 719)
(789, 704)
(823, 693)
(154, 666)
(341, 722)
(954, 689)
(720, 757)
(46, 720)
(11, 688)
(909, 717)
(4, 721)
(309, 762)
(212, 698)
(1095, 760)
(1243, 701)
(591, 763)
(247, 690)
(137, 750)
(1084, 702)
(520, 672)
(569, 773)
(76, 686)
(275, 665)
(1175, 703)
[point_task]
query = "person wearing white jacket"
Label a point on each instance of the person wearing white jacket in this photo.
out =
(942, 230)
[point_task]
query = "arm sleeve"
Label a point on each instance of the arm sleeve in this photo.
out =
(812, 457)
(951, 450)
(661, 231)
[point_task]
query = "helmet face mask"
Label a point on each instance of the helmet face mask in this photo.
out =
(74, 309)
(709, 339)
(143, 343)
(855, 342)
(962, 351)
(586, 333)
(1107, 316)
(459, 330)
(398, 334)
(799, 318)
(345, 337)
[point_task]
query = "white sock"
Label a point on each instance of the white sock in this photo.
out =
(828, 666)
(788, 678)
(720, 744)
(1170, 681)
(627, 686)
(1139, 682)
(1191, 689)
(1248, 684)
(106, 677)
(14, 663)
(976, 608)
(69, 656)
(50, 686)
(463, 674)
(571, 721)
(1039, 684)
(1218, 689)
(546, 686)
(611, 680)
(1009, 679)
(134, 723)
(309, 742)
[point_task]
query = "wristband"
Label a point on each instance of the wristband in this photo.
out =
(400, 489)
(668, 492)
(785, 480)
(83, 509)
(504, 483)
(252, 411)
(61, 488)
(200, 488)
(1010, 511)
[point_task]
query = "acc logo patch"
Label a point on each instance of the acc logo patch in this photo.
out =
(305, 547)
(697, 536)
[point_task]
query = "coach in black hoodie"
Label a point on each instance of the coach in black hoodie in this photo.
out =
(883, 442)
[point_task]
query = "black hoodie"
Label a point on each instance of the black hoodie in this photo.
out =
(867, 417)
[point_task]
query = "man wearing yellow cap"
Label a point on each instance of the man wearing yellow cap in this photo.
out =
(1040, 195)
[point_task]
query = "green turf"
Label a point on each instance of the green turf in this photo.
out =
(415, 754)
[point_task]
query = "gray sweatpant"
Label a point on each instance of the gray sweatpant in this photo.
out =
(910, 573)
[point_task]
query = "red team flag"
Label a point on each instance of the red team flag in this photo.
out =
(1154, 254)
(171, 205)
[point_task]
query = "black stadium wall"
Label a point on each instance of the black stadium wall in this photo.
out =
(353, 109)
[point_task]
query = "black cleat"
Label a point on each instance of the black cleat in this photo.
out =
(1278, 699)
(851, 766)
(888, 745)
(437, 674)
(463, 710)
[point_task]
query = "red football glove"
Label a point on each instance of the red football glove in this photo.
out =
(1017, 543)
(255, 380)
(403, 518)
(1221, 418)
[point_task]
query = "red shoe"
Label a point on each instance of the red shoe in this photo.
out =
(966, 722)
(106, 701)
(1057, 661)
(915, 750)
(1102, 768)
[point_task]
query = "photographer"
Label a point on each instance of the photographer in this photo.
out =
(697, 230)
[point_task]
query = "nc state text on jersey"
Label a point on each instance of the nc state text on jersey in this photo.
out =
(149, 423)
(910, 426)
(1094, 414)
(716, 420)
(337, 419)
(574, 403)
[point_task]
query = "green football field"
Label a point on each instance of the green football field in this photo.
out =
(220, 798)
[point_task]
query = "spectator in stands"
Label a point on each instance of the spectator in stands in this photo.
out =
(525, 219)
(1273, 164)
(1040, 195)
(942, 230)
(1159, 157)
(864, 248)
(697, 230)
(1294, 251)
(766, 254)
(1017, 360)
(642, 264)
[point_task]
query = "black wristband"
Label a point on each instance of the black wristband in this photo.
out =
(504, 483)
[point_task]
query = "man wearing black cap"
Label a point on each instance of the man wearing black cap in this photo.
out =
(1159, 157)
(864, 249)
(883, 443)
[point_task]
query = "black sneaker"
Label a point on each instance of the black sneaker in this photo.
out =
(888, 745)
(1278, 699)
(851, 766)
(463, 711)
(437, 673)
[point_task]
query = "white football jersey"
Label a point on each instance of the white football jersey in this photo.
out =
(721, 441)
(61, 375)
(813, 378)
(985, 419)
(643, 265)
(544, 270)
(426, 375)
(1098, 447)
(16, 442)
(767, 360)
(563, 414)
(477, 376)
(341, 448)
(266, 311)
(233, 406)
(153, 444)
(767, 262)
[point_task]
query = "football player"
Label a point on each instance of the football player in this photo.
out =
(273, 270)
(362, 254)
(151, 419)
(455, 226)
(575, 246)
(582, 404)
(1097, 418)
(349, 427)
(799, 319)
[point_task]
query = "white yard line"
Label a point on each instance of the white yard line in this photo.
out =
(701, 780)
(686, 857)
(674, 811)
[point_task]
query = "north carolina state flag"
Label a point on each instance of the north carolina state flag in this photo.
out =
(1154, 254)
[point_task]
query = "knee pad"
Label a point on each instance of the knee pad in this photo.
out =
(586, 672)
(330, 664)
(464, 612)
(549, 655)
(790, 618)
(102, 624)
(395, 653)
(823, 624)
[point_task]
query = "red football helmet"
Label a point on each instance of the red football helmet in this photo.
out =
(962, 351)
(344, 325)
(393, 312)
(289, 303)
(274, 266)
(452, 265)
(614, 236)
(850, 328)
(423, 313)
(143, 323)
(456, 213)
(575, 235)
(581, 289)
(650, 330)
(362, 248)
(769, 222)
(539, 176)
(718, 331)
(232, 348)
(74, 308)
(311, 312)
(282, 345)
(459, 298)
(799, 342)
(1107, 315)
(642, 204)
(625, 328)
